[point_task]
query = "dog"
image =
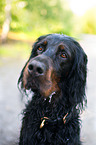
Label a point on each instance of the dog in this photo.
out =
(56, 72)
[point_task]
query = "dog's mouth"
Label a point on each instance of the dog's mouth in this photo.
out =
(42, 85)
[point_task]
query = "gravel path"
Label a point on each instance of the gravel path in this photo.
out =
(11, 104)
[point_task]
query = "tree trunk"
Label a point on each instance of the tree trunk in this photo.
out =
(6, 25)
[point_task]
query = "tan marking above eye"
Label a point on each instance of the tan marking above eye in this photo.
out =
(61, 47)
(45, 42)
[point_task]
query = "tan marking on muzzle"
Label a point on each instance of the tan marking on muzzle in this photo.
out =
(52, 86)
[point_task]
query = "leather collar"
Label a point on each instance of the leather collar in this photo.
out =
(64, 120)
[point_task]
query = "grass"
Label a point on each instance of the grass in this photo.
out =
(17, 49)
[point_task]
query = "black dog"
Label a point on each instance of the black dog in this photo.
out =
(56, 73)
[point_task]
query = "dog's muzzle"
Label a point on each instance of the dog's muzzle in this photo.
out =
(40, 75)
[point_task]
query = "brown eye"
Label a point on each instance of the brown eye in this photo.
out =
(63, 55)
(40, 48)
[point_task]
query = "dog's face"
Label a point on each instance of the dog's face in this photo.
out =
(52, 58)
(51, 62)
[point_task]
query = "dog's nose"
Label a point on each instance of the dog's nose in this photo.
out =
(36, 67)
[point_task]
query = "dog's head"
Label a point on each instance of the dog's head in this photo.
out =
(57, 65)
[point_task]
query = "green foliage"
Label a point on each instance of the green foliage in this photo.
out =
(50, 16)
(15, 49)
(89, 21)
(2, 6)
(38, 17)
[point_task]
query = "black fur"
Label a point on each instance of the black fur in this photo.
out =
(68, 62)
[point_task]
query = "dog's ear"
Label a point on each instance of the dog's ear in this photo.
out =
(77, 77)
(20, 80)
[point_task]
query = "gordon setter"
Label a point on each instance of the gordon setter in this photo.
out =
(56, 72)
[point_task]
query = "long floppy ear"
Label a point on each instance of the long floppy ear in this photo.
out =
(77, 78)
(20, 80)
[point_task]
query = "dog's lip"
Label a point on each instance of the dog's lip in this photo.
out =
(31, 85)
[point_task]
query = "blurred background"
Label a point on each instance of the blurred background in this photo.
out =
(21, 23)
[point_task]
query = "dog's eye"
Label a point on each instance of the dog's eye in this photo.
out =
(63, 55)
(40, 48)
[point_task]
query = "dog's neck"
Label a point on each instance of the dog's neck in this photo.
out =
(59, 120)
(52, 105)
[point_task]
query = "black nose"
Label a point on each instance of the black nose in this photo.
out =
(36, 67)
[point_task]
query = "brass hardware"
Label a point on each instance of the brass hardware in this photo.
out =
(64, 118)
(42, 123)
